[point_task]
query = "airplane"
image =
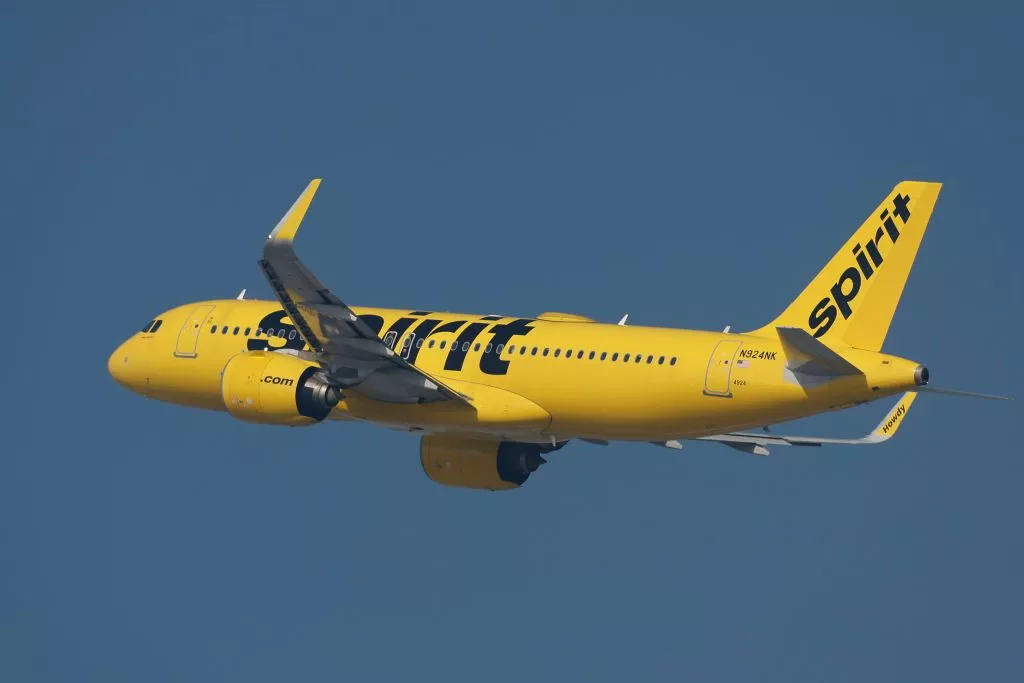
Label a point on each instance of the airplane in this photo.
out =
(491, 395)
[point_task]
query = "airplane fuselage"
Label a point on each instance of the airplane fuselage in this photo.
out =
(551, 378)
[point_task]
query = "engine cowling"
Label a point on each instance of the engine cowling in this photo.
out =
(274, 388)
(478, 463)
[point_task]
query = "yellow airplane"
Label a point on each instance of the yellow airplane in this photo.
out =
(491, 395)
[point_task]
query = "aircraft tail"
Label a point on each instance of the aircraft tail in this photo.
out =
(852, 300)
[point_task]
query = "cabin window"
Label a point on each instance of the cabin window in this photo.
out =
(500, 347)
(650, 359)
(545, 352)
(247, 330)
(673, 361)
(638, 357)
(534, 352)
(615, 356)
(465, 346)
(557, 351)
(625, 359)
(442, 344)
(511, 348)
(235, 331)
(661, 360)
(489, 347)
(591, 356)
(280, 333)
(568, 353)
(419, 343)
(522, 350)
(430, 344)
(604, 354)
(579, 354)
(477, 347)
(224, 330)
(213, 330)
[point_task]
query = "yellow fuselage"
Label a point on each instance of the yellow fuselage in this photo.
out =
(556, 377)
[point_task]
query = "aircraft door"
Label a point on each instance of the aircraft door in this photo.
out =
(188, 337)
(719, 374)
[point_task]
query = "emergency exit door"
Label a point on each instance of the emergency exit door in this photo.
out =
(719, 373)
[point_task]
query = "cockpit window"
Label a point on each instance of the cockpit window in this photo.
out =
(148, 325)
(156, 327)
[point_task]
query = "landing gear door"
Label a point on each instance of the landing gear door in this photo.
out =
(719, 373)
(188, 337)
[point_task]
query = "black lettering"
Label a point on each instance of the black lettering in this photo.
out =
(492, 363)
(872, 248)
(862, 261)
(890, 226)
(398, 327)
(900, 208)
(274, 321)
(843, 299)
(822, 317)
(457, 355)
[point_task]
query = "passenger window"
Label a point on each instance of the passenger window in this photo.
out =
(650, 359)
(213, 330)
(579, 354)
(477, 347)
(291, 335)
(465, 346)
(522, 350)
(625, 359)
(591, 356)
(604, 354)
(673, 361)
(557, 351)
(280, 333)
(419, 343)
(489, 347)
(270, 331)
(511, 348)
(247, 330)
(661, 360)
(568, 353)
(615, 356)
(501, 347)
(443, 344)
(224, 330)
(156, 327)
(545, 352)
(430, 344)
(235, 331)
(638, 357)
(534, 352)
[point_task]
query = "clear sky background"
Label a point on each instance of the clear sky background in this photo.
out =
(691, 170)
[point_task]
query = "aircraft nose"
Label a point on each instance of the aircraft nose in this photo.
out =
(117, 364)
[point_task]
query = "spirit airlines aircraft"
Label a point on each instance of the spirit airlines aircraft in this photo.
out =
(492, 394)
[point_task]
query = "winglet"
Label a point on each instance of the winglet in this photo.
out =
(892, 421)
(286, 228)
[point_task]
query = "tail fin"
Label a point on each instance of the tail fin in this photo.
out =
(853, 298)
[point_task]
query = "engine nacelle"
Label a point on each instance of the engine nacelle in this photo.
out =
(274, 388)
(478, 463)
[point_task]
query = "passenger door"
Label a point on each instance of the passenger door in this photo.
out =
(719, 372)
(188, 336)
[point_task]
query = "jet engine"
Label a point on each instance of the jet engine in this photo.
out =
(274, 388)
(478, 463)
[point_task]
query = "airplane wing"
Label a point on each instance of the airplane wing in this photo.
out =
(350, 351)
(757, 444)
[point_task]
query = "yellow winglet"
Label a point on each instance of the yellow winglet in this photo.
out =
(289, 224)
(892, 421)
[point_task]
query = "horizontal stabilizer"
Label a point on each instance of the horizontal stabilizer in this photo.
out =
(808, 356)
(955, 392)
(757, 444)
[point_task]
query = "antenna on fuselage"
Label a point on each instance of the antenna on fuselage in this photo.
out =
(241, 295)
(623, 321)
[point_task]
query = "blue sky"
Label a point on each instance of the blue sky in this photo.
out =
(692, 170)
